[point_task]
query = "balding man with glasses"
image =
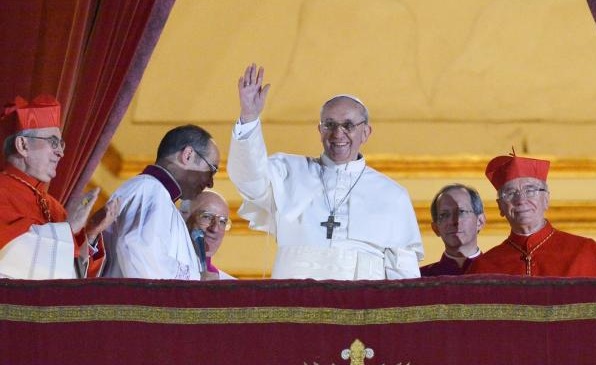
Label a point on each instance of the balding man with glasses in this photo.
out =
(39, 238)
(210, 213)
(457, 217)
(150, 239)
(534, 247)
(333, 216)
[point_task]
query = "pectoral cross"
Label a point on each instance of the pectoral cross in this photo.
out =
(330, 224)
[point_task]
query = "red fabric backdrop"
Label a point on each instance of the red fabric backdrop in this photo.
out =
(592, 6)
(447, 320)
(86, 52)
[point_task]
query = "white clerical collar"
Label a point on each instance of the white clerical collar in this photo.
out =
(463, 258)
(351, 166)
(531, 233)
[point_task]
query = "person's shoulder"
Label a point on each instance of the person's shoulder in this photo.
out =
(9, 185)
(582, 248)
(292, 161)
(144, 179)
(6, 179)
(490, 261)
(493, 260)
(282, 156)
(575, 239)
(494, 251)
(372, 172)
(429, 270)
(139, 185)
(384, 181)
(4, 182)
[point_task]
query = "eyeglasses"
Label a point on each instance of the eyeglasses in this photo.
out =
(529, 192)
(461, 214)
(212, 167)
(54, 141)
(207, 219)
(348, 127)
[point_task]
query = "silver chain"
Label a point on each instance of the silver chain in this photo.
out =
(335, 207)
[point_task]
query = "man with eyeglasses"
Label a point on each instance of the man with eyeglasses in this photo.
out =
(333, 216)
(39, 238)
(534, 247)
(150, 239)
(457, 217)
(210, 213)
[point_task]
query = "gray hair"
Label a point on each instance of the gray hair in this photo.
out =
(8, 147)
(474, 197)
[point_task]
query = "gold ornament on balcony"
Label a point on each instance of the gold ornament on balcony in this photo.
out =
(357, 353)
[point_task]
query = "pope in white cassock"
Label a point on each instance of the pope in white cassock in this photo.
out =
(333, 216)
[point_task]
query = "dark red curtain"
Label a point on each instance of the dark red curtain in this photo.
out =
(592, 5)
(41, 43)
(447, 320)
(90, 54)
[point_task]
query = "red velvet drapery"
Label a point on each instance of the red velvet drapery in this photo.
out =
(81, 51)
(592, 6)
(475, 319)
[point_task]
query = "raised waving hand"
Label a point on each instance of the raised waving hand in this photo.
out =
(252, 93)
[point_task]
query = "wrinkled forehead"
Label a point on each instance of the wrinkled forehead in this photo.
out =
(46, 132)
(521, 183)
(211, 202)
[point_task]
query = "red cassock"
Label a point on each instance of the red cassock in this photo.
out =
(553, 253)
(20, 208)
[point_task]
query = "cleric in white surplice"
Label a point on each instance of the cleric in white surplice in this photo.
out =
(149, 239)
(333, 216)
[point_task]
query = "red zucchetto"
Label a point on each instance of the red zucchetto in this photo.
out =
(41, 112)
(502, 169)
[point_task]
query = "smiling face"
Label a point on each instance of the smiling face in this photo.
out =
(339, 145)
(215, 206)
(40, 159)
(459, 226)
(524, 214)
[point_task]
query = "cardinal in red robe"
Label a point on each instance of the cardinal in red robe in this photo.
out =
(534, 247)
(39, 239)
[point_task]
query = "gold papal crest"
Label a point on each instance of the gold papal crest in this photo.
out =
(357, 353)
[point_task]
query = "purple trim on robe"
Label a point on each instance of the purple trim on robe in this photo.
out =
(165, 179)
(446, 266)
(211, 267)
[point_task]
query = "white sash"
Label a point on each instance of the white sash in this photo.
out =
(44, 252)
(326, 263)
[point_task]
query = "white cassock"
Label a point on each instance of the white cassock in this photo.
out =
(378, 236)
(149, 239)
(43, 252)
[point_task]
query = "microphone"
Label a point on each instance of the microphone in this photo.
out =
(198, 243)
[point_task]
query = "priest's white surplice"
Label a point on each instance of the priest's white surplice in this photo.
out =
(149, 239)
